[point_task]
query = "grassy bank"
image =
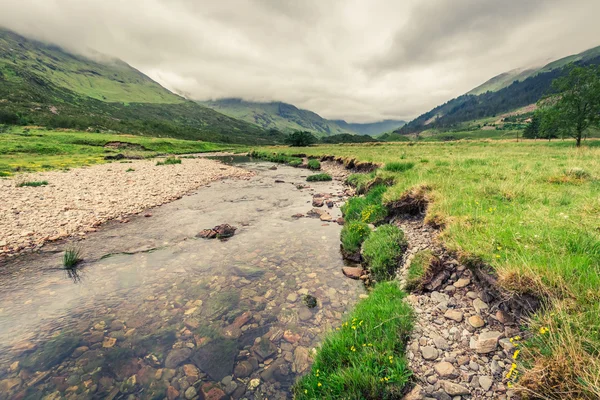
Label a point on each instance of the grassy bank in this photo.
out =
(530, 212)
(29, 150)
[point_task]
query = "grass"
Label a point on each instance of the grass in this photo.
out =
(33, 184)
(169, 161)
(319, 178)
(34, 150)
(500, 207)
(368, 208)
(383, 250)
(295, 162)
(314, 165)
(129, 170)
(399, 166)
(364, 357)
(353, 235)
(418, 269)
(71, 257)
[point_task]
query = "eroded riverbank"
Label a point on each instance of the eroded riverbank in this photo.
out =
(167, 314)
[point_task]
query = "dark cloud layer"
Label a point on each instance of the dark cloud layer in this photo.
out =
(361, 60)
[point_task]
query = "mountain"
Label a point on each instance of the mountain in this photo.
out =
(520, 74)
(373, 128)
(289, 118)
(275, 115)
(45, 85)
(498, 97)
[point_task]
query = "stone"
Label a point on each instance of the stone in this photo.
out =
(264, 349)
(212, 392)
(109, 342)
(454, 389)
(486, 382)
(476, 321)
(172, 393)
(415, 394)
(292, 297)
(8, 385)
(487, 342)
(243, 369)
(79, 351)
(216, 358)
(353, 272)
(326, 217)
(504, 317)
(454, 315)
(429, 353)
(254, 383)
(318, 202)
(176, 357)
(461, 283)
(305, 314)
(191, 371)
(190, 393)
(440, 342)
(446, 370)
(472, 295)
(301, 360)
(506, 344)
(479, 305)
(291, 337)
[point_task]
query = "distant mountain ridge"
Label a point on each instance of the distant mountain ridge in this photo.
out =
(289, 118)
(45, 85)
(501, 94)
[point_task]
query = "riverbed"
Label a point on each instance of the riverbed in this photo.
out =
(154, 312)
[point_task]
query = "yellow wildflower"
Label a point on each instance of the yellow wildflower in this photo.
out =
(544, 330)
(319, 384)
(516, 354)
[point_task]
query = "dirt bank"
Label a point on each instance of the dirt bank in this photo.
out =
(75, 202)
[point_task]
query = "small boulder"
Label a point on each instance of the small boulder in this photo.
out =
(353, 272)
(446, 370)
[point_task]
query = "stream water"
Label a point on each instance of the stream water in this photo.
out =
(154, 312)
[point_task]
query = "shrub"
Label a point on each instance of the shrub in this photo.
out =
(300, 139)
(382, 251)
(353, 235)
(314, 165)
(71, 258)
(33, 184)
(295, 162)
(169, 161)
(319, 178)
(399, 166)
(364, 357)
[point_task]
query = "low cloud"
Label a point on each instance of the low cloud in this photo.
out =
(360, 60)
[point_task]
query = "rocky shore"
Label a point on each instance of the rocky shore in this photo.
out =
(75, 202)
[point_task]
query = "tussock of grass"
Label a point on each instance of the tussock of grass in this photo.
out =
(129, 170)
(418, 269)
(314, 165)
(360, 181)
(319, 178)
(368, 208)
(398, 166)
(364, 358)
(353, 235)
(33, 184)
(169, 161)
(383, 250)
(71, 257)
(295, 162)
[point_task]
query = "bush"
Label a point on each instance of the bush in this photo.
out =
(364, 357)
(33, 184)
(169, 161)
(300, 139)
(314, 165)
(319, 178)
(353, 235)
(382, 251)
(399, 166)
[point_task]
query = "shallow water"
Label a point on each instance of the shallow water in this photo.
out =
(154, 311)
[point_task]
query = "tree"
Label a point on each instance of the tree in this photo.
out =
(575, 106)
(300, 139)
(532, 130)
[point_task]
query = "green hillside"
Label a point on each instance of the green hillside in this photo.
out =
(44, 85)
(469, 110)
(506, 79)
(373, 128)
(276, 115)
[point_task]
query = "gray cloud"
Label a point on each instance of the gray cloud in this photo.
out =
(361, 60)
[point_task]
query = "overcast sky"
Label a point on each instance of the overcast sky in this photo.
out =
(360, 60)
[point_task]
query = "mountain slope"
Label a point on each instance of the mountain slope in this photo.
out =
(506, 79)
(276, 115)
(518, 94)
(373, 128)
(44, 85)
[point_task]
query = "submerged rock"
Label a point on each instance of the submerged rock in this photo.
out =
(216, 358)
(309, 300)
(176, 357)
(222, 231)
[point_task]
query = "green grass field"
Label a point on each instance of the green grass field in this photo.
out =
(530, 211)
(29, 150)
